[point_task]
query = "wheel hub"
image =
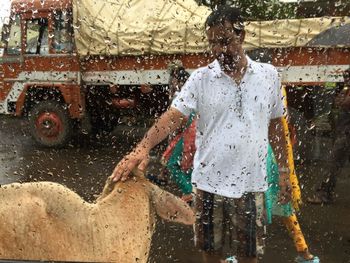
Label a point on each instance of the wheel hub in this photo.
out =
(49, 125)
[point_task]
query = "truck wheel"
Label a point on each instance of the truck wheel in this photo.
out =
(50, 124)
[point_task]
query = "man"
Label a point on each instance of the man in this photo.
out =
(341, 147)
(239, 107)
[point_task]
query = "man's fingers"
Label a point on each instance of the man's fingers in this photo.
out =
(122, 170)
(124, 177)
(136, 158)
(124, 174)
(143, 165)
(126, 171)
(116, 174)
(128, 168)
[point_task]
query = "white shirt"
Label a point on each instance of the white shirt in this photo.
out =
(232, 126)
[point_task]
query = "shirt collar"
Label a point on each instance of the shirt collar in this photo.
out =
(216, 69)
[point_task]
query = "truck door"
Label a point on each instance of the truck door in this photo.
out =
(52, 97)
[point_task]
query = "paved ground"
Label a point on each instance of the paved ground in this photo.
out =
(85, 164)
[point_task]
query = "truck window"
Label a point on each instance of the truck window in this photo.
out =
(14, 38)
(37, 36)
(63, 32)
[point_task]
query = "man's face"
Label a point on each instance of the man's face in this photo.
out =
(225, 44)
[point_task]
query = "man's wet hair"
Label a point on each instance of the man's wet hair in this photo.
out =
(224, 14)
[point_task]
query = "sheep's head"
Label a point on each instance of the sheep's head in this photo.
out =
(166, 205)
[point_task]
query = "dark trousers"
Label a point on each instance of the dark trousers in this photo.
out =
(340, 153)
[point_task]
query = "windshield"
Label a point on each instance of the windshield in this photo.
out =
(13, 37)
(37, 36)
(227, 123)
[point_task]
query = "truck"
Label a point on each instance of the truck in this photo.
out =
(71, 62)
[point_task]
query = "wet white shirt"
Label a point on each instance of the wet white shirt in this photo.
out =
(232, 126)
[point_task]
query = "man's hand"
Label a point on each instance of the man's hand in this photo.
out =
(285, 194)
(139, 158)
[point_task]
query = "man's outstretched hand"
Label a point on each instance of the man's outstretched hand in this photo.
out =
(139, 158)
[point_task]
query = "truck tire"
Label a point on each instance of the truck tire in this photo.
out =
(50, 124)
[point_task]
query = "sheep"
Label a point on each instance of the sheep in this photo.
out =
(47, 221)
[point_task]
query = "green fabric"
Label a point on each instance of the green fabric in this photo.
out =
(182, 179)
(271, 195)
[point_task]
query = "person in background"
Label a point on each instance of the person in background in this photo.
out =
(341, 148)
(239, 109)
(178, 156)
(286, 211)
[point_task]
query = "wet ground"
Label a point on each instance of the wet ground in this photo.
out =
(85, 164)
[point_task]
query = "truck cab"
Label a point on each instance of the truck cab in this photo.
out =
(45, 80)
(40, 69)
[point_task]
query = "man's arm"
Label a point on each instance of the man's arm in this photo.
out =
(171, 120)
(277, 137)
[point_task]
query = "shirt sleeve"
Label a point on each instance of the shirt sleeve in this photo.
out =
(187, 99)
(277, 100)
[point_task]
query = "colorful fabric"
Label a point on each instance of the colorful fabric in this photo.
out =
(170, 148)
(178, 157)
(295, 232)
(273, 207)
(189, 146)
(181, 178)
(296, 192)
